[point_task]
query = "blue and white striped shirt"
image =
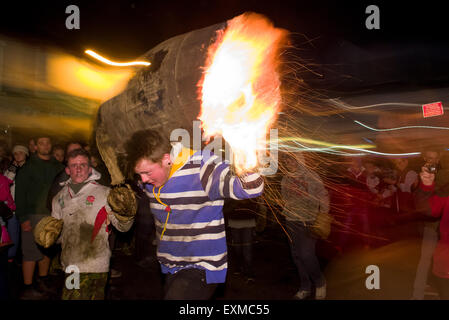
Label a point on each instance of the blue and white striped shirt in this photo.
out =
(195, 232)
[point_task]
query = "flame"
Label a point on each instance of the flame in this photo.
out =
(240, 89)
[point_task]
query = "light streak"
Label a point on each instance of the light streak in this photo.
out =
(116, 64)
(398, 104)
(323, 150)
(334, 149)
(368, 140)
(400, 128)
(85, 79)
(386, 154)
(323, 143)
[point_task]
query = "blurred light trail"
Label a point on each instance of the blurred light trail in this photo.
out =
(387, 154)
(400, 128)
(368, 140)
(116, 64)
(350, 107)
(333, 149)
(303, 148)
(85, 79)
(322, 143)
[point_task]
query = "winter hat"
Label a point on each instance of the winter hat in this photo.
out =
(20, 148)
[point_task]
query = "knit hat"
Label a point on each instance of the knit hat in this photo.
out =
(20, 148)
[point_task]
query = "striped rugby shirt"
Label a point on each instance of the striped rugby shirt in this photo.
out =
(195, 231)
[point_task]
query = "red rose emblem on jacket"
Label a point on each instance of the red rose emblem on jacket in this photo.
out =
(90, 199)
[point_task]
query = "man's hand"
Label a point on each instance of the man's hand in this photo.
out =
(427, 178)
(26, 226)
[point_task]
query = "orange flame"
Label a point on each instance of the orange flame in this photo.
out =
(240, 89)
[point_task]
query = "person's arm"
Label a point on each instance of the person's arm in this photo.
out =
(10, 173)
(5, 192)
(372, 184)
(22, 184)
(289, 188)
(56, 212)
(411, 179)
(322, 195)
(316, 191)
(122, 226)
(219, 182)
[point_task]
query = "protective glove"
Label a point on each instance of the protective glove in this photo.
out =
(47, 231)
(123, 203)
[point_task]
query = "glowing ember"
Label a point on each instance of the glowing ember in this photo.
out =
(240, 90)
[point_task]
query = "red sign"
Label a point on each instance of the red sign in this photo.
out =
(432, 109)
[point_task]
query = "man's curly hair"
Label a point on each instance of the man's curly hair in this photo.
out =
(146, 144)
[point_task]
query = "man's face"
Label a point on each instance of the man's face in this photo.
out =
(59, 154)
(78, 169)
(431, 158)
(43, 146)
(401, 163)
(19, 156)
(293, 163)
(370, 167)
(32, 146)
(153, 173)
(290, 164)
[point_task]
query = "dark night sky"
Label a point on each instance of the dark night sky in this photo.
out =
(126, 29)
(129, 28)
(410, 51)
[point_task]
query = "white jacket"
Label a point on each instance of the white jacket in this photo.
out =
(79, 212)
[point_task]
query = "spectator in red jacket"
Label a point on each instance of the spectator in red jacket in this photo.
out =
(432, 198)
(431, 158)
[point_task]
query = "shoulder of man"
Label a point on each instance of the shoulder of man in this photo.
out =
(60, 193)
(25, 169)
(95, 185)
(205, 155)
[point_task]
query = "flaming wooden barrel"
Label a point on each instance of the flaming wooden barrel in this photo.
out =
(163, 96)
